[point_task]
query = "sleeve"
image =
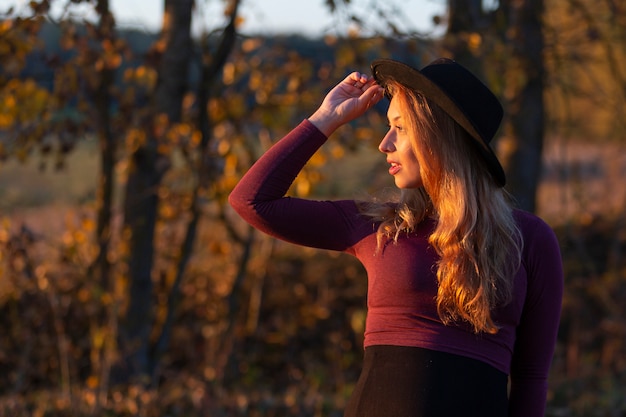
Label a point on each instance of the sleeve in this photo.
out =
(259, 197)
(537, 331)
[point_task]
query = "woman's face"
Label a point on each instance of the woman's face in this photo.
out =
(396, 144)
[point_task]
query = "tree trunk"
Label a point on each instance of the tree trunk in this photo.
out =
(108, 145)
(523, 142)
(100, 269)
(147, 167)
(464, 18)
(209, 70)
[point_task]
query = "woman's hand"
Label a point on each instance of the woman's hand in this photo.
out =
(346, 101)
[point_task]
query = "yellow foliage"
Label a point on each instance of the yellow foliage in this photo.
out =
(92, 382)
(5, 26)
(223, 147)
(256, 80)
(228, 73)
(230, 165)
(164, 148)
(217, 109)
(42, 282)
(196, 137)
(474, 41)
(23, 102)
(84, 295)
(141, 71)
(189, 100)
(363, 133)
(345, 56)
(237, 106)
(142, 76)
(6, 121)
(314, 176)
(106, 298)
(337, 151)
(294, 83)
(167, 211)
(251, 44)
(183, 129)
(67, 238)
(228, 182)
(109, 61)
(135, 138)
(303, 186)
(98, 338)
(261, 97)
(88, 224)
(318, 159)
(17, 39)
(5, 48)
(4, 236)
(79, 237)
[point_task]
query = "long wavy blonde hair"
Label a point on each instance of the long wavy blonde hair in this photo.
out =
(476, 237)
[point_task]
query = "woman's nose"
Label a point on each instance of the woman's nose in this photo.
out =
(386, 144)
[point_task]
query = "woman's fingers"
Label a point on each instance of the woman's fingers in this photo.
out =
(346, 101)
(372, 94)
(365, 89)
(358, 80)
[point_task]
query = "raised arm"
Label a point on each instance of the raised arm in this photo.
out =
(259, 198)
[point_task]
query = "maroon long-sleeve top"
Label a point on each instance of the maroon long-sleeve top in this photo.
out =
(401, 282)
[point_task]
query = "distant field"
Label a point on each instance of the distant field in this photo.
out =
(28, 186)
(583, 180)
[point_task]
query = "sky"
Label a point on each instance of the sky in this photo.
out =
(309, 17)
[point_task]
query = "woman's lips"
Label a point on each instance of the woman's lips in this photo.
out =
(394, 168)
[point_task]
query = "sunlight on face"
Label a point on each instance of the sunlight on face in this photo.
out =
(396, 144)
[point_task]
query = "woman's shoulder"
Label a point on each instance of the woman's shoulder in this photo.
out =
(537, 234)
(528, 221)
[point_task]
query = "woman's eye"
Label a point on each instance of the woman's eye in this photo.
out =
(396, 127)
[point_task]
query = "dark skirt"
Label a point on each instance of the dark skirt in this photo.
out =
(401, 381)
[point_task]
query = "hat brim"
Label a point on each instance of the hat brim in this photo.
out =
(385, 70)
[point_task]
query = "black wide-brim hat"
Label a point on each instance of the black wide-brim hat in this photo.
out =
(459, 93)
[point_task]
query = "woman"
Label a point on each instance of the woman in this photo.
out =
(464, 291)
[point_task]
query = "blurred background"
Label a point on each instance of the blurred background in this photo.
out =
(129, 288)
